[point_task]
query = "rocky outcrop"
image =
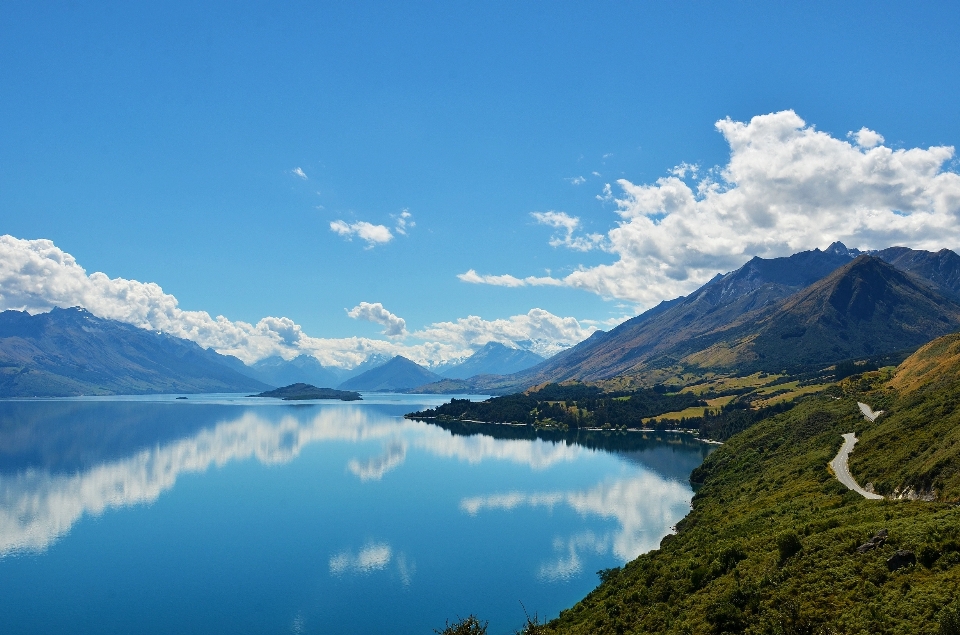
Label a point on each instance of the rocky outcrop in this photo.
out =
(900, 559)
(873, 543)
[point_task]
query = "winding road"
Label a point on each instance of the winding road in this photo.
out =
(842, 470)
(868, 412)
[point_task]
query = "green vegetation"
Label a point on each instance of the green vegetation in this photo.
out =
(565, 407)
(771, 547)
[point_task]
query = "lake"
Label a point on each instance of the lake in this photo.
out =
(226, 514)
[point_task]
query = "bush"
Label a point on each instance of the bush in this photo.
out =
(950, 621)
(788, 545)
(469, 625)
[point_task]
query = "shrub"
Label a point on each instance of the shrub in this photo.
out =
(950, 621)
(788, 545)
(469, 625)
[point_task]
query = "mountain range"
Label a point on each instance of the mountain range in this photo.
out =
(797, 313)
(493, 358)
(398, 374)
(73, 352)
(811, 309)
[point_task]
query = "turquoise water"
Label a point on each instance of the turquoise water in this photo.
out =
(224, 514)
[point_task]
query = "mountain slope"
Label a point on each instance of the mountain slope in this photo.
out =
(277, 371)
(913, 449)
(493, 359)
(758, 315)
(759, 283)
(862, 309)
(940, 270)
(398, 374)
(72, 352)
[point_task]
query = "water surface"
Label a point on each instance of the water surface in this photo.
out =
(224, 514)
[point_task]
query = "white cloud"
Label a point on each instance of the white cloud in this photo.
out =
(373, 234)
(866, 138)
(374, 312)
(538, 330)
(568, 224)
(36, 276)
(507, 280)
(299, 172)
(787, 187)
(404, 222)
(577, 180)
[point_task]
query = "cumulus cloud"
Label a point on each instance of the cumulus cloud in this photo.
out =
(577, 180)
(37, 276)
(374, 312)
(538, 330)
(299, 172)
(787, 187)
(373, 234)
(567, 225)
(866, 138)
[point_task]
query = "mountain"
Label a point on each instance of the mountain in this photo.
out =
(398, 374)
(747, 318)
(305, 369)
(758, 284)
(940, 270)
(865, 308)
(72, 352)
(493, 359)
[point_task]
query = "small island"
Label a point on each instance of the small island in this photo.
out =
(300, 391)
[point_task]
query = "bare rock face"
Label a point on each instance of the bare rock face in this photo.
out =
(908, 493)
(900, 559)
(874, 542)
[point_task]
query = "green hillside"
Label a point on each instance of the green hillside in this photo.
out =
(771, 543)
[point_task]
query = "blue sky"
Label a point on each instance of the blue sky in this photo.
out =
(158, 142)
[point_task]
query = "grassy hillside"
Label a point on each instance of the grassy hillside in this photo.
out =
(914, 448)
(771, 543)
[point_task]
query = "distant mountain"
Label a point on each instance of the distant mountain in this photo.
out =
(493, 359)
(398, 374)
(306, 369)
(72, 352)
(940, 270)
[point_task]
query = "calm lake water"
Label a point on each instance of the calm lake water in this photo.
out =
(224, 514)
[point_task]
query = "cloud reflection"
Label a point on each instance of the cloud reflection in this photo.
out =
(645, 507)
(38, 506)
(374, 556)
(374, 468)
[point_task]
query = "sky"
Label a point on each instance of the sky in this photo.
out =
(344, 179)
